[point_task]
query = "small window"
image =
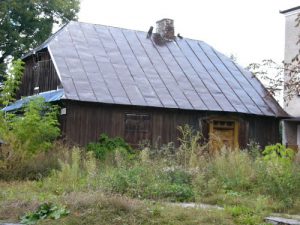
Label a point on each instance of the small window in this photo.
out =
(137, 128)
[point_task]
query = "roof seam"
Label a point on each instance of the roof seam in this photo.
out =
(106, 84)
(104, 48)
(236, 95)
(234, 77)
(88, 79)
(125, 64)
(187, 76)
(212, 76)
(172, 75)
(153, 65)
(197, 71)
(138, 61)
(274, 113)
(115, 69)
(155, 69)
(69, 67)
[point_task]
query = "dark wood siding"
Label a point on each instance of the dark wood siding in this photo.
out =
(84, 122)
(39, 72)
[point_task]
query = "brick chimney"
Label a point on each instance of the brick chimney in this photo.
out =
(165, 27)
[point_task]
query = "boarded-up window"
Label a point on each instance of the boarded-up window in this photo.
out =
(137, 128)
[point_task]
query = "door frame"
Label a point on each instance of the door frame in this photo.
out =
(225, 119)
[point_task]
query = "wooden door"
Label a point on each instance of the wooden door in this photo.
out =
(223, 133)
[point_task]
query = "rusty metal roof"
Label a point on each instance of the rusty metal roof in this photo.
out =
(106, 64)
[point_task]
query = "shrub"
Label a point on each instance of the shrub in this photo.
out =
(227, 172)
(279, 152)
(76, 173)
(26, 137)
(277, 175)
(245, 216)
(34, 131)
(191, 147)
(146, 181)
(106, 147)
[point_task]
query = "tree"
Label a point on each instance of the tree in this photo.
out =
(277, 77)
(12, 82)
(25, 24)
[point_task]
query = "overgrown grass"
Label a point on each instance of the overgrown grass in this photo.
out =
(127, 190)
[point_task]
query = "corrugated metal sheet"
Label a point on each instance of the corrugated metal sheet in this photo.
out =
(105, 64)
(49, 96)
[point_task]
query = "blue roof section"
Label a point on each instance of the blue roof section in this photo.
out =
(49, 96)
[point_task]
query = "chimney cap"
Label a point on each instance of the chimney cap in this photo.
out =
(164, 19)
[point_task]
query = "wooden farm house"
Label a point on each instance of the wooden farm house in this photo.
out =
(143, 85)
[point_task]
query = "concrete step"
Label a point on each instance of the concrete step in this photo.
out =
(281, 221)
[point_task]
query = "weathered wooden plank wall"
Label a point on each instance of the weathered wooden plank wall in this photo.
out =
(39, 72)
(84, 122)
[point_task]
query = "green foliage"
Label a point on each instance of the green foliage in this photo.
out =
(25, 24)
(106, 147)
(26, 136)
(191, 146)
(253, 149)
(245, 216)
(45, 211)
(249, 188)
(12, 82)
(218, 176)
(75, 173)
(173, 184)
(278, 152)
(279, 174)
(34, 131)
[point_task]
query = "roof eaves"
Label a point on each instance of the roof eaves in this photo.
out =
(49, 96)
(289, 10)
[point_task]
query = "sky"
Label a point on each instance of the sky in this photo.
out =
(251, 30)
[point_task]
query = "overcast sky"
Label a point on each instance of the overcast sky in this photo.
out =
(251, 30)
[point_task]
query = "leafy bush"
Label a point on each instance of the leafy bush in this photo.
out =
(277, 175)
(106, 147)
(279, 152)
(34, 131)
(25, 137)
(44, 211)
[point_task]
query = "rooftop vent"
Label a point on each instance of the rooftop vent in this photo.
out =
(165, 28)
